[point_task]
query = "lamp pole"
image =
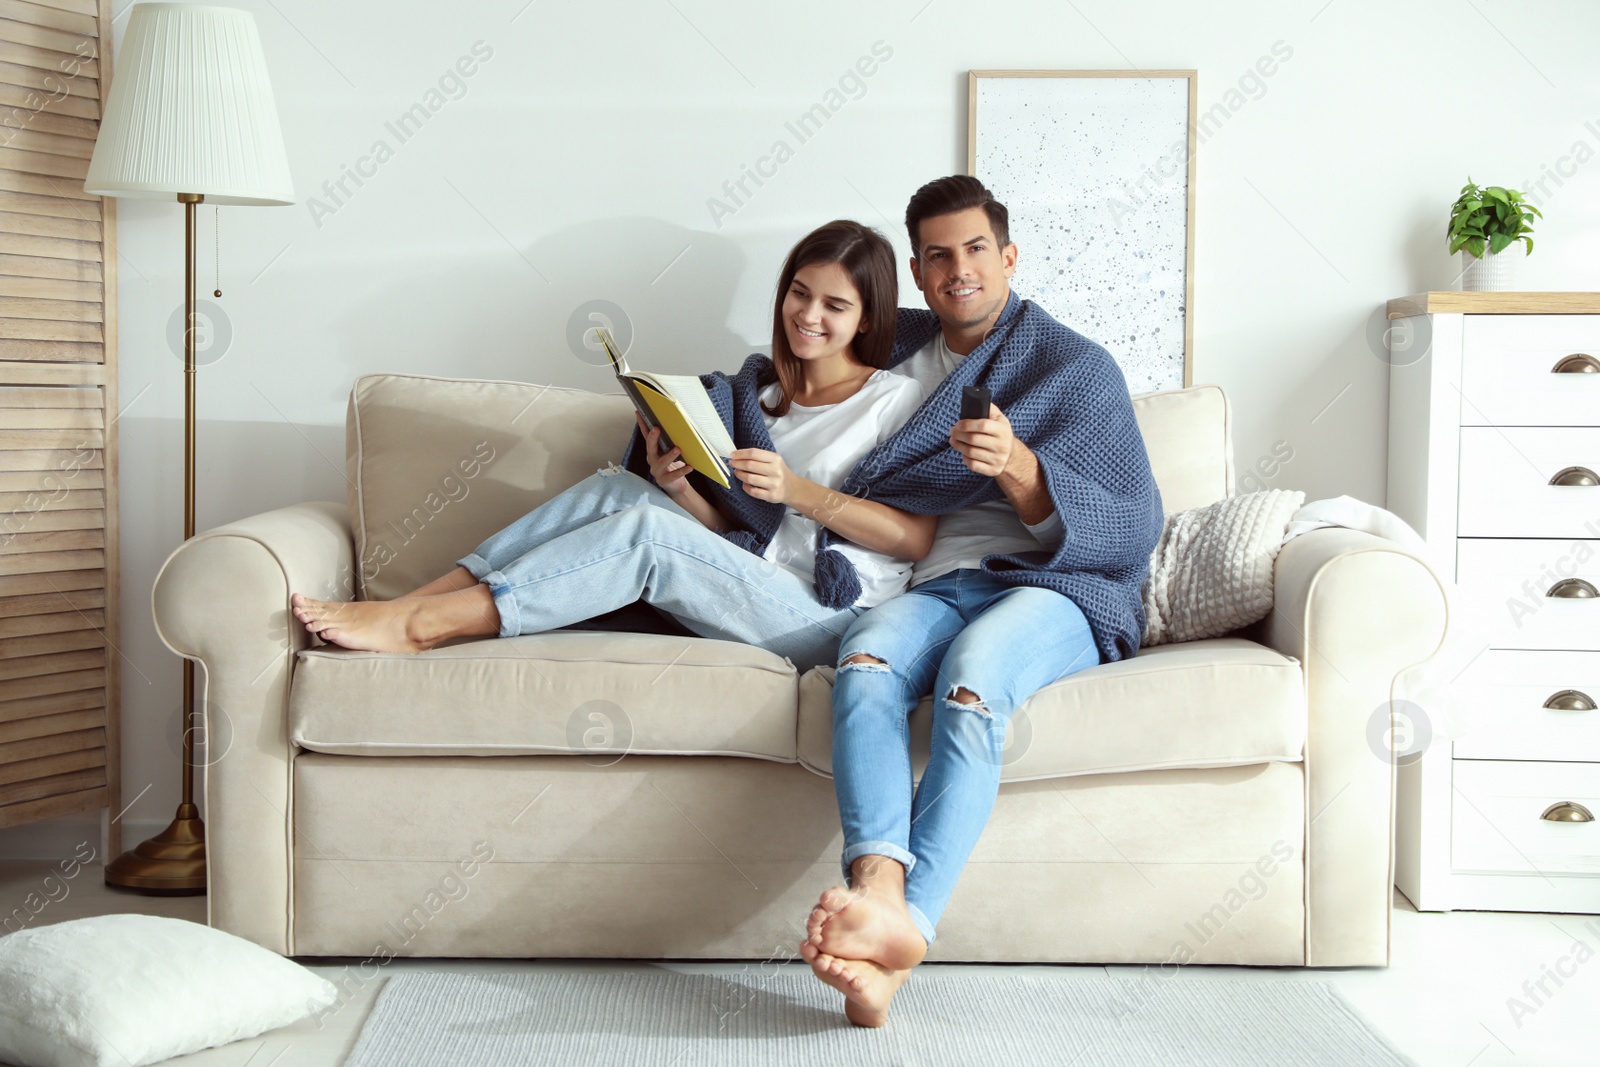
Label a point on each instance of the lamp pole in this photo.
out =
(173, 863)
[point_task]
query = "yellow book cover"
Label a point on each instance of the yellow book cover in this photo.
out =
(681, 407)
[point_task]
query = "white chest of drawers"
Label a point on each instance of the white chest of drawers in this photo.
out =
(1494, 458)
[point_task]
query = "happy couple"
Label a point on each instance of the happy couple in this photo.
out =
(870, 528)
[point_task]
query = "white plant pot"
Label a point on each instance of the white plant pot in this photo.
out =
(1494, 272)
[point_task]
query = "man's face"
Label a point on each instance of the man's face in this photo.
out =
(963, 274)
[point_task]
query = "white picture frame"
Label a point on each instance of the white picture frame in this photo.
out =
(1096, 168)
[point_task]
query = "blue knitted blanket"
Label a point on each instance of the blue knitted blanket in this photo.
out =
(1067, 400)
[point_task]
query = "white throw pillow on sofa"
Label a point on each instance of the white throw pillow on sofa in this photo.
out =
(137, 989)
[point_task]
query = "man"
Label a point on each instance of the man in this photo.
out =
(1049, 514)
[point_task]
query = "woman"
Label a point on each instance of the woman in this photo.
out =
(810, 414)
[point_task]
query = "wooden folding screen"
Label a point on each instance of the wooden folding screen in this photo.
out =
(58, 404)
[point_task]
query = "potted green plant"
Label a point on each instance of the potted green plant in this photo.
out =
(1484, 223)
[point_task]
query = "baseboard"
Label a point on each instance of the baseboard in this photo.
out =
(57, 839)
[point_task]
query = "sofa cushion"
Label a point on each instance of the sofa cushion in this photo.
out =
(435, 465)
(1220, 702)
(1188, 439)
(590, 694)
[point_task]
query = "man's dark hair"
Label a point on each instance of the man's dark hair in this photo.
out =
(946, 196)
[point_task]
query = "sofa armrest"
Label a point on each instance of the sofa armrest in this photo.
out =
(1356, 610)
(222, 599)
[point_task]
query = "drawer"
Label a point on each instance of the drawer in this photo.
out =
(1495, 824)
(1505, 482)
(1501, 698)
(1507, 364)
(1505, 582)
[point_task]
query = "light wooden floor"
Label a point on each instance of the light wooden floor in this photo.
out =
(1444, 1000)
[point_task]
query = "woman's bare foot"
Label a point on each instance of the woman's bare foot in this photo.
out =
(867, 987)
(364, 625)
(866, 923)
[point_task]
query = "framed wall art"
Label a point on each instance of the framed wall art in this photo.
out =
(1097, 171)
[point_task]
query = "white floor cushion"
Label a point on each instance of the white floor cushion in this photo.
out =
(138, 989)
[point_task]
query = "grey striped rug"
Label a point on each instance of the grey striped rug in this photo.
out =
(785, 1016)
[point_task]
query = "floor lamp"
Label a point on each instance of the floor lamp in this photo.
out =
(190, 116)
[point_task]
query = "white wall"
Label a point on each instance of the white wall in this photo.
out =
(578, 162)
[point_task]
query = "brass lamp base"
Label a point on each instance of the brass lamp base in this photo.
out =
(172, 863)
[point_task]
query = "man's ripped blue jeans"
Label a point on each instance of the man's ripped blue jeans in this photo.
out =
(965, 630)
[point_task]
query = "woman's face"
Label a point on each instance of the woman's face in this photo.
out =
(821, 311)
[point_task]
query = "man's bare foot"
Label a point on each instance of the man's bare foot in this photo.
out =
(367, 626)
(868, 987)
(864, 923)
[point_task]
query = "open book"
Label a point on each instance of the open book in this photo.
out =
(680, 405)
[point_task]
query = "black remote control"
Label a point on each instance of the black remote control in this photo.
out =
(975, 400)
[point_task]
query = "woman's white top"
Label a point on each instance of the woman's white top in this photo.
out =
(823, 444)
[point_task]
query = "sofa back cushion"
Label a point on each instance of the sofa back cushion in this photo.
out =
(1188, 437)
(438, 464)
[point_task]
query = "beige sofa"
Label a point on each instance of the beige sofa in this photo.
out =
(646, 795)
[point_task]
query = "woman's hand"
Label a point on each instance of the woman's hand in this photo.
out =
(666, 469)
(764, 474)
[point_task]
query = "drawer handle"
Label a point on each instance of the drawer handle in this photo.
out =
(1573, 589)
(1570, 700)
(1567, 811)
(1577, 363)
(1575, 476)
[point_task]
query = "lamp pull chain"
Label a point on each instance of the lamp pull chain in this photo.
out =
(216, 231)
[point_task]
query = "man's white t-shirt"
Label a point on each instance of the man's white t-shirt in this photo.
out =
(824, 443)
(990, 528)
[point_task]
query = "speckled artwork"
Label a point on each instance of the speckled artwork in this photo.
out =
(1093, 171)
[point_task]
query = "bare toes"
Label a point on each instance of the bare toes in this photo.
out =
(842, 969)
(834, 900)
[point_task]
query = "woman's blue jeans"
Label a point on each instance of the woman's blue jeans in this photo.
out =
(962, 630)
(615, 538)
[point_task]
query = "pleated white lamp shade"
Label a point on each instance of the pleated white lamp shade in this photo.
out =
(191, 111)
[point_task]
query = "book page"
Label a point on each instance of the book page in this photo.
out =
(618, 363)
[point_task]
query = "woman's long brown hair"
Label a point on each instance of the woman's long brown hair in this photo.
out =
(868, 258)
